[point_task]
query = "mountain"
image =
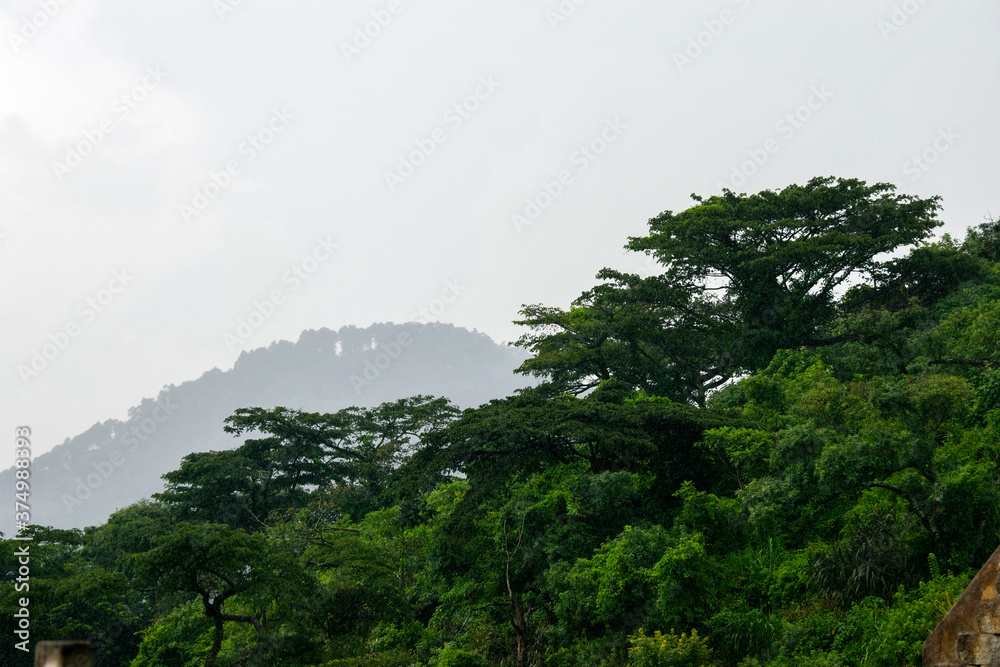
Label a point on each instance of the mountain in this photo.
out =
(115, 463)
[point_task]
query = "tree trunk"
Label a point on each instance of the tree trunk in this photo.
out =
(521, 628)
(213, 653)
(515, 607)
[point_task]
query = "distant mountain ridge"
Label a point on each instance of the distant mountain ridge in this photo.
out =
(116, 463)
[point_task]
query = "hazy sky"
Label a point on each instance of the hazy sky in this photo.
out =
(170, 168)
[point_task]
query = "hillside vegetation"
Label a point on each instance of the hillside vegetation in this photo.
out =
(780, 449)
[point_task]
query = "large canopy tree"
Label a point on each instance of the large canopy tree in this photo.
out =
(744, 276)
(225, 568)
(649, 333)
(294, 453)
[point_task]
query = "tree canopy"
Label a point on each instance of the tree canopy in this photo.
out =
(743, 276)
(780, 450)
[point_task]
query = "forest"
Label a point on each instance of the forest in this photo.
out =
(778, 448)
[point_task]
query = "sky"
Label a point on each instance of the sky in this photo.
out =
(182, 181)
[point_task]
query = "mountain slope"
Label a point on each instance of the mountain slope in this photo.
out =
(115, 463)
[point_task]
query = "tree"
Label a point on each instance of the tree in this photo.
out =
(653, 335)
(613, 428)
(984, 240)
(222, 566)
(744, 276)
(71, 598)
(354, 449)
(781, 256)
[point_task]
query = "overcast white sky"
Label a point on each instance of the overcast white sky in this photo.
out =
(177, 162)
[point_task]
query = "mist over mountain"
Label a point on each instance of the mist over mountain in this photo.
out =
(115, 463)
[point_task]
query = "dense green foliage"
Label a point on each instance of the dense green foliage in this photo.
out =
(782, 450)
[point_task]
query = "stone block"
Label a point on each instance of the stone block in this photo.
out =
(64, 654)
(988, 616)
(975, 648)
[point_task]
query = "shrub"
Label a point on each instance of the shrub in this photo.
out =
(454, 657)
(659, 650)
(742, 632)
